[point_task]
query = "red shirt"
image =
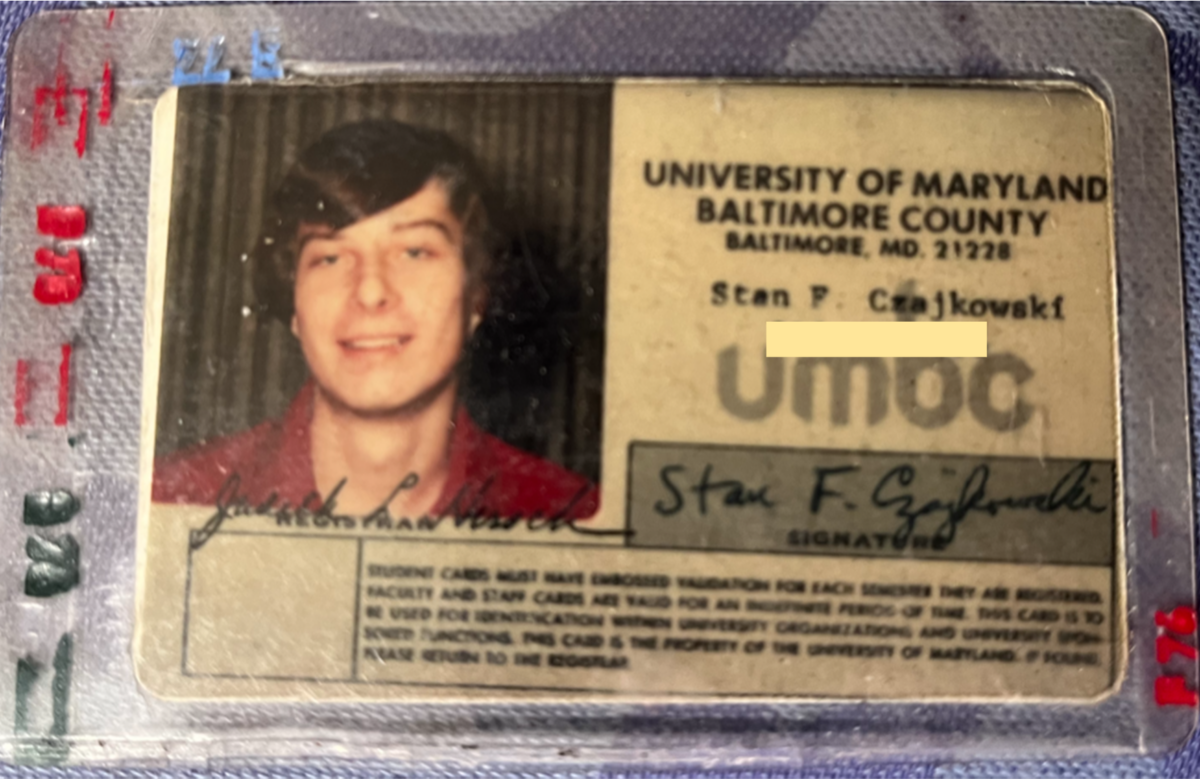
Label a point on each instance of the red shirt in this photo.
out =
(487, 477)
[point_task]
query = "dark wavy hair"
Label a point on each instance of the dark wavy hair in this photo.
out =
(357, 170)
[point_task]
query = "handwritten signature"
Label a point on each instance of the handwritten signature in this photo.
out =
(467, 509)
(1070, 493)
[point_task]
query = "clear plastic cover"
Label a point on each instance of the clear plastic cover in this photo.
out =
(392, 382)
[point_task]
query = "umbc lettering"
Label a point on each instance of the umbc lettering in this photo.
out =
(974, 392)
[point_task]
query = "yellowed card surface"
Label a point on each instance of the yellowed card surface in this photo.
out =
(661, 510)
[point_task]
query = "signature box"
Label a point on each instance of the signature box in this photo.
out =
(871, 504)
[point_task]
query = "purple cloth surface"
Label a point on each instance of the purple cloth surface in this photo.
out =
(1182, 23)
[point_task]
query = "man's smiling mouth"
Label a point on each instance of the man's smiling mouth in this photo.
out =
(375, 343)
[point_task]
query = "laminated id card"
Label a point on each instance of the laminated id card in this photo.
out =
(570, 384)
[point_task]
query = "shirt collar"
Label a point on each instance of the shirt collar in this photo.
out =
(290, 470)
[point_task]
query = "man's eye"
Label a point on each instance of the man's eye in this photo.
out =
(325, 259)
(416, 253)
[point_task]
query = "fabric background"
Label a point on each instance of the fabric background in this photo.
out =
(1182, 22)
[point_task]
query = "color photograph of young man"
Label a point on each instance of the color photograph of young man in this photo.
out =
(377, 252)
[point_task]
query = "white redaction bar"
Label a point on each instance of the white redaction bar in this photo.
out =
(877, 339)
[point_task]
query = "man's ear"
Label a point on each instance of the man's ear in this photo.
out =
(295, 327)
(478, 307)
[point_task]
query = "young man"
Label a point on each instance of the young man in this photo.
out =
(378, 254)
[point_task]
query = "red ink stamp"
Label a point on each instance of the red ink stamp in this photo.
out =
(1173, 690)
(64, 386)
(66, 222)
(62, 286)
(60, 93)
(23, 391)
(106, 94)
(65, 283)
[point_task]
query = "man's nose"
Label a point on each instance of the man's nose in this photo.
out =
(373, 289)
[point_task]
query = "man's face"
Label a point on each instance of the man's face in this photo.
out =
(380, 309)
